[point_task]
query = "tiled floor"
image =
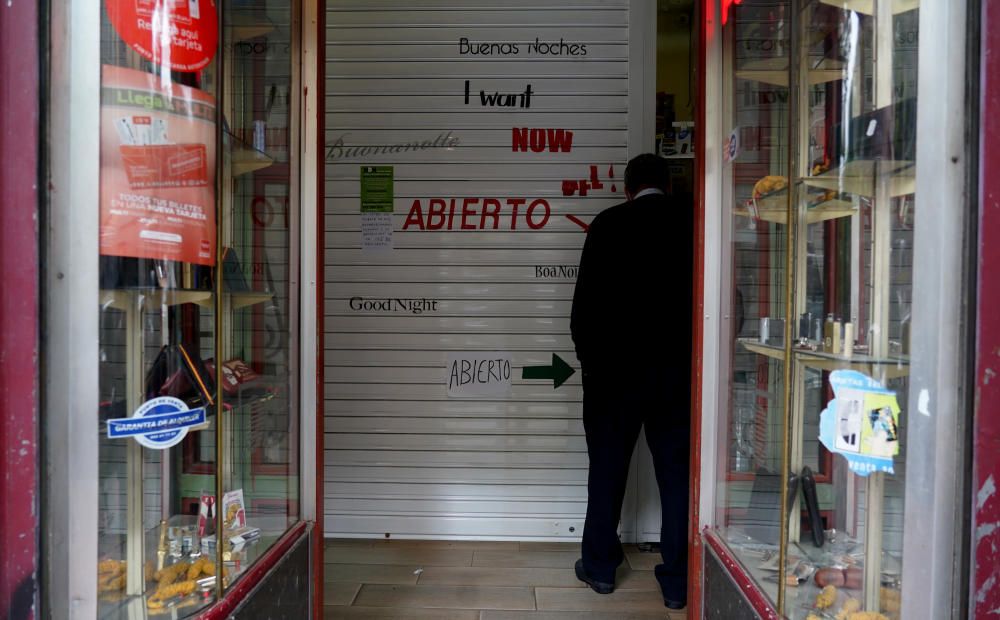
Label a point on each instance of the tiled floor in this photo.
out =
(448, 580)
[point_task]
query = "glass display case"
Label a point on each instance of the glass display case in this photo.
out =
(819, 183)
(198, 453)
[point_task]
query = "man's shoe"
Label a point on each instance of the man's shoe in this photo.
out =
(597, 586)
(672, 604)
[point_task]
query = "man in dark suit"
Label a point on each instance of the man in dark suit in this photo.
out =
(631, 324)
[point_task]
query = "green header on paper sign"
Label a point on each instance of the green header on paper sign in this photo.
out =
(376, 189)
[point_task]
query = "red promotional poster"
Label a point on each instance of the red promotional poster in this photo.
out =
(180, 34)
(157, 168)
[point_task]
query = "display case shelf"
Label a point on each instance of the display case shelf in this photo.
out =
(887, 367)
(775, 71)
(767, 350)
(246, 159)
(867, 7)
(861, 177)
(119, 299)
(243, 299)
(773, 208)
(244, 29)
(881, 367)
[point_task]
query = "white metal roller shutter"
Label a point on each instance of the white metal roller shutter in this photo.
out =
(401, 456)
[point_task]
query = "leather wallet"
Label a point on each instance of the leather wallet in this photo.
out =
(178, 371)
(812, 506)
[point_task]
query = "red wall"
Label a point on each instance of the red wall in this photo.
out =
(19, 105)
(986, 450)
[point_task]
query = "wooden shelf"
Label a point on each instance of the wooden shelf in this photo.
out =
(890, 367)
(119, 299)
(860, 176)
(868, 6)
(775, 72)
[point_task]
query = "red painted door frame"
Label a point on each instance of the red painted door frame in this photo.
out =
(985, 586)
(703, 32)
(19, 277)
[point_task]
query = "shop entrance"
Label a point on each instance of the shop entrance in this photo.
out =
(467, 148)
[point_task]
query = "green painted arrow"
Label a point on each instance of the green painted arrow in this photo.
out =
(559, 371)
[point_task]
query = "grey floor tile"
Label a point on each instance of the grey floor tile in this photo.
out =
(525, 559)
(446, 597)
(340, 593)
(408, 556)
(629, 579)
(461, 545)
(577, 615)
(358, 543)
(390, 613)
(579, 599)
(549, 546)
(497, 576)
(640, 560)
(370, 573)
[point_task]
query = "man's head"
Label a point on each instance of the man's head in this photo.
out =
(646, 170)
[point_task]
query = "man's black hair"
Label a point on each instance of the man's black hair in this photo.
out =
(646, 169)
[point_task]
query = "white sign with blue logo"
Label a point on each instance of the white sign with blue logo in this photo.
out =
(158, 423)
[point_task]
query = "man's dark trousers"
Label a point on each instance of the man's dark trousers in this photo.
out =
(615, 406)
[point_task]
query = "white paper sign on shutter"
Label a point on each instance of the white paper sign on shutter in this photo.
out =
(507, 131)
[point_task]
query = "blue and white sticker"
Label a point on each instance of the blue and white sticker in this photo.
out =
(861, 423)
(158, 423)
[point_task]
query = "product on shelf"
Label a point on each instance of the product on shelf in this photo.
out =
(850, 577)
(826, 577)
(170, 574)
(233, 509)
(202, 566)
(853, 577)
(768, 184)
(826, 598)
(112, 576)
(110, 567)
(867, 615)
(110, 583)
(850, 606)
(165, 592)
(889, 599)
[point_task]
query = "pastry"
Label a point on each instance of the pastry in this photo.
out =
(170, 574)
(829, 577)
(889, 600)
(111, 583)
(866, 615)
(854, 577)
(826, 598)
(850, 606)
(115, 567)
(768, 184)
(201, 566)
(159, 598)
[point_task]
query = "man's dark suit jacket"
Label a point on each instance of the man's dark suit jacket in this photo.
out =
(633, 298)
